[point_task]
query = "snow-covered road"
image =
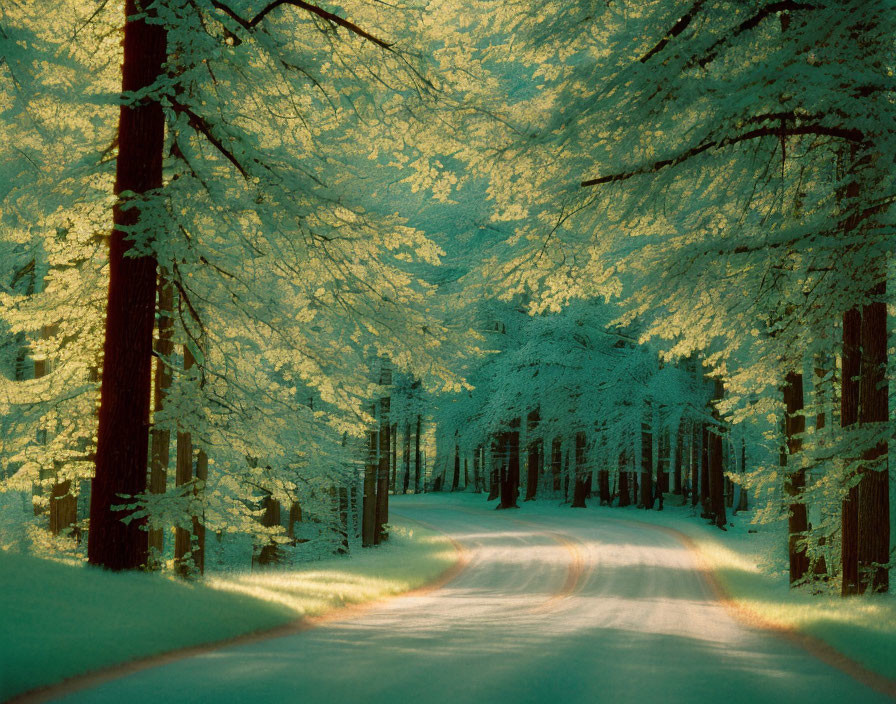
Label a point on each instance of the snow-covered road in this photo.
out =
(551, 608)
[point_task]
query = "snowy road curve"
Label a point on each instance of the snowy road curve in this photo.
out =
(574, 608)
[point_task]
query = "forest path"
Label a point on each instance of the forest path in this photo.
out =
(552, 607)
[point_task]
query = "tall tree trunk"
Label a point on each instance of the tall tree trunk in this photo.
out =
(269, 554)
(123, 432)
(394, 455)
(183, 537)
(622, 481)
(477, 471)
(715, 456)
(368, 507)
(511, 476)
(455, 480)
(583, 478)
(161, 438)
(382, 485)
(849, 415)
(679, 455)
(494, 487)
(417, 456)
(199, 518)
(704, 470)
(407, 457)
(795, 478)
(742, 494)
(556, 463)
(874, 489)
(534, 450)
(603, 487)
(696, 455)
(646, 495)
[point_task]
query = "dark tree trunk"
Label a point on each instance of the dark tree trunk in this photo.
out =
(556, 463)
(583, 478)
(368, 508)
(874, 489)
(494, 487)
(123, 432)
(704, 470)
(381, 534)
(511, 479)
(662, 463)
(646, 497)
(533, 460)
(742, 494)
(679, 455)
(603, 487)
(269, 554)
(623, 488)
(456, 479)
(795, 479)
(477, 471)
(695, 456)
(407, 457)
(417, 457)
(715, 456)
(394, 437)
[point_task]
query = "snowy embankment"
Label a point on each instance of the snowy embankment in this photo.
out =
(62, 620)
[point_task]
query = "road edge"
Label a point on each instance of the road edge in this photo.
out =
(94, 678)
(815, 646)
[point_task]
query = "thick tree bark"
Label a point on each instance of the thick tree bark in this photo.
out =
(849, 415)
(583, 478)
(123, 433)
(874, 489)
(161, 439)
(795, 478)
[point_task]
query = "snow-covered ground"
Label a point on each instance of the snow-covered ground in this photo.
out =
(555, 605)
(61, 620)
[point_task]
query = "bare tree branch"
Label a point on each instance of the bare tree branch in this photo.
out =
(677, 29)
(779, 132)
(308, 7)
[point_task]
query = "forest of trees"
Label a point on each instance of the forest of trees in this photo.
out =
(267, 263)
